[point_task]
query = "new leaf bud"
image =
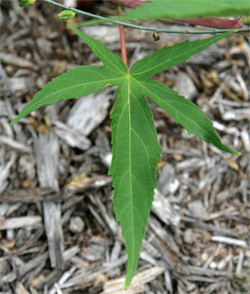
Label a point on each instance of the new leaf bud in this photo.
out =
(66, 15)
(25, 3)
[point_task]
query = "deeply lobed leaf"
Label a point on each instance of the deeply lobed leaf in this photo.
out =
(134, 139)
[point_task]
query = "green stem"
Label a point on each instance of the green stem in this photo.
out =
(150, 29)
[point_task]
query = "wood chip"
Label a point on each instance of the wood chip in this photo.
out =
(137, 285)
(72, 137)
(95, 107)
(46, 149)
(20, 289)
(14, 60)
(31, 195)
(20, 222)
(230, 241)
(15, 144)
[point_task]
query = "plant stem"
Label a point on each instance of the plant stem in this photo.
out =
(150, 29)
(122, 37)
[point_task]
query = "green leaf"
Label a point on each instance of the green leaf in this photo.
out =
(168, 57)
(110, 60)
(185, 112)
(134, 139)
(187, 9)
(81, 81)
(135, 154)
(156, 9)
(76, 83)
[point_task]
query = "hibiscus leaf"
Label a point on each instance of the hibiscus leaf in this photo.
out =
(135, 149)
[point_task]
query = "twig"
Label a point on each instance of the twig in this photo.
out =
(230, 241)
(150, 29)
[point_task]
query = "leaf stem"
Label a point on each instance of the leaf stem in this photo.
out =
(150, 29)
(122, 37)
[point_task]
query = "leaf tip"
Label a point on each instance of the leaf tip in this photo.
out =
(229, 150)
(127, 283)
(15, 120)
(131, 268)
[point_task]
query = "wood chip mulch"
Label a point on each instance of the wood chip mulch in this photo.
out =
(58, 232)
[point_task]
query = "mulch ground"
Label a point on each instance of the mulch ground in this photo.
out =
(58, 232)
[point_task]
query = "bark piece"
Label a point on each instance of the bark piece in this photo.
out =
(95, 109)
(47, 152)
(20, 289)
(72, 137)
(137, 285)
(31, 195)
(20, 222)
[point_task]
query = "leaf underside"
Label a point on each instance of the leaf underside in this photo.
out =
(136, 150)
(187, 9)
(156, 9)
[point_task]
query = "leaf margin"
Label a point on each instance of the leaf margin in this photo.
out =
(209, 129)
(161, 56)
